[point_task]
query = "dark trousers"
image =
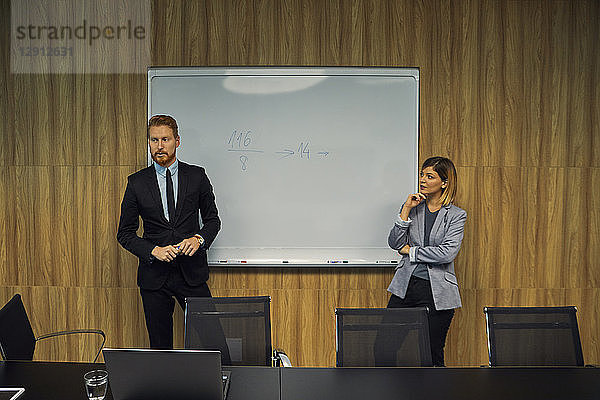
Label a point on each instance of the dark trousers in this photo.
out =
(419, 294)
(159, 306)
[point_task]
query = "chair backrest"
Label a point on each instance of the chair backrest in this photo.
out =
(382, 337)
(240, 327)
(17, 341)
(533, 336)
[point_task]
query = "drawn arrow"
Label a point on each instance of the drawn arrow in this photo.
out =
(286, 153)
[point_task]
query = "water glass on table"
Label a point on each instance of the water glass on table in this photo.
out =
(96, 383)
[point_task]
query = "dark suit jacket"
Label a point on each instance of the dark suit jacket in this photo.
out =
(142, 199)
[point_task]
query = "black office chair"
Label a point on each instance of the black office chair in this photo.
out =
(382, 337)
(240, 327)
(17, 341)
(533, 336)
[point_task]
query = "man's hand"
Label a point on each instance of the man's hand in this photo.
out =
(167, 253)
(188, 246)
(404, 250)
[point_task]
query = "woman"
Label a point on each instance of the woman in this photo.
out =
(428, 235)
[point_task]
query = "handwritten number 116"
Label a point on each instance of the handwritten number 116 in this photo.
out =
(240, 139)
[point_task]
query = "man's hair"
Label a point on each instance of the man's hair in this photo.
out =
(163, 120)
(446, 170)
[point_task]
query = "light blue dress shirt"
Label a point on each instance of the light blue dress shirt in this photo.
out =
(161, 175)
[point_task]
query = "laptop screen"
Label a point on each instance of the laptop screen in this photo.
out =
(163, 374)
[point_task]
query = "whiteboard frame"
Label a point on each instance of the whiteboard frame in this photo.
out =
(354, 261)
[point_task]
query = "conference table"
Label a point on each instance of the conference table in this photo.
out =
(62, 380)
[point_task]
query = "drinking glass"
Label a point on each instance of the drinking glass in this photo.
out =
(96, 383)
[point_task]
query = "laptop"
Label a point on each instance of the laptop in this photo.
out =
(166, 374)
(10, 393)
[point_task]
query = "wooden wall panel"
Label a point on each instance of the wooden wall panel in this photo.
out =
(60, 234)
(21, 89)
(560, 43)
(82, 102)
(61, 118)
(6, 102)
(534, 75)
(509, 90)
(6, 272)
(580, 89)
(130, 110)
(218, 33)
(592, 247)
(491, 145)
(464, 85)
(512, 78)
(329, 27)
(594, 61)
(443, 132)
(84, 211)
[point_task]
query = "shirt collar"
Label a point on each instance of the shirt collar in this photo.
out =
(163, 170)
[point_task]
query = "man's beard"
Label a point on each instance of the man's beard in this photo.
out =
(163, 161)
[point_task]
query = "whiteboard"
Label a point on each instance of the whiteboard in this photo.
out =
(309, 165)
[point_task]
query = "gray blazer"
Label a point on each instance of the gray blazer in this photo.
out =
(444, 242)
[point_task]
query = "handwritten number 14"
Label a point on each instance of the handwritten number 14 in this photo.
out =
(304, 150)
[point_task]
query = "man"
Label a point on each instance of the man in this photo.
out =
(169, 196)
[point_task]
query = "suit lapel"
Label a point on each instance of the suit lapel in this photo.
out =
(152, 182)
(437, 223)
(420, 221)
(182, 183)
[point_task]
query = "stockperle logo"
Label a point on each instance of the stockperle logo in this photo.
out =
(80, 36)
